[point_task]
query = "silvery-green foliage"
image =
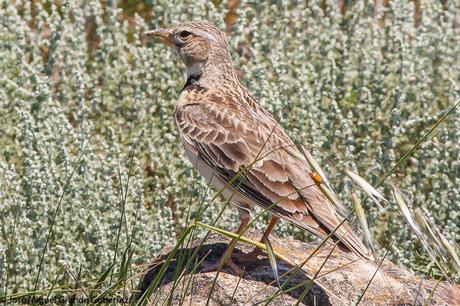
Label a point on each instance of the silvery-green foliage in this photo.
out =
(80, 90)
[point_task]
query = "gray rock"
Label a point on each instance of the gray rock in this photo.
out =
(339, 280)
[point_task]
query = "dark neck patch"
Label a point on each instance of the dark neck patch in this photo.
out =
(192, 81)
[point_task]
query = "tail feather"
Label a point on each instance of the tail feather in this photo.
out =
(348, 241)
(354, 244)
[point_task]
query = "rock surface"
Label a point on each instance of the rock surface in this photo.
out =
(339, 280)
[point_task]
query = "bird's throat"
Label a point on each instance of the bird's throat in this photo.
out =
(195, 69)
(211, 74)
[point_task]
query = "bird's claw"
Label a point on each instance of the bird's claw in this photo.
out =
(209, 267)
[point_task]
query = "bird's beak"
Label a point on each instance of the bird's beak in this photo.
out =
(161, 35)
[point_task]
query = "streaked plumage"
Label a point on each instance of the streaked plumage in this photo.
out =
(224, 130)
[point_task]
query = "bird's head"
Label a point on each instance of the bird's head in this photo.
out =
(200, 44)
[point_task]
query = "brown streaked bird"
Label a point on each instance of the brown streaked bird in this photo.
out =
(225, 131)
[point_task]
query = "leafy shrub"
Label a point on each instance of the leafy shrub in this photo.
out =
(90, 161)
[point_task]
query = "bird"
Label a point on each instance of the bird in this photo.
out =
(239, 147)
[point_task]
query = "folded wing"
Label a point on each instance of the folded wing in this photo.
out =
(250, 142)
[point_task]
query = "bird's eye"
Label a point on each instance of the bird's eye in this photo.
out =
(184, 34)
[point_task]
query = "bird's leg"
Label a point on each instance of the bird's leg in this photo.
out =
(252, 256)
(226, 258)
(269, 228)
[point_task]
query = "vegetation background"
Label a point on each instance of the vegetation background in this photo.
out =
(92, 172)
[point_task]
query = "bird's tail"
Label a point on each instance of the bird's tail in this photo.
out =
(343, 234)
(352, 242)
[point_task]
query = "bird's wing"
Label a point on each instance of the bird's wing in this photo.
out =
(231, 138)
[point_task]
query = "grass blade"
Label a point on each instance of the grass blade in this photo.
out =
(154, 284)
(428, 231)
(367, 188)
(427, 301)
(103, 276)
(272, 260)
(358, 208)
(56, 211)
(451, 252)
(315, 166)
(373, 276)
(406, 212)
(417, 144)
(320, 179)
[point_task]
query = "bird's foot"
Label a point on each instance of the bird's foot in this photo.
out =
(209, 267)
